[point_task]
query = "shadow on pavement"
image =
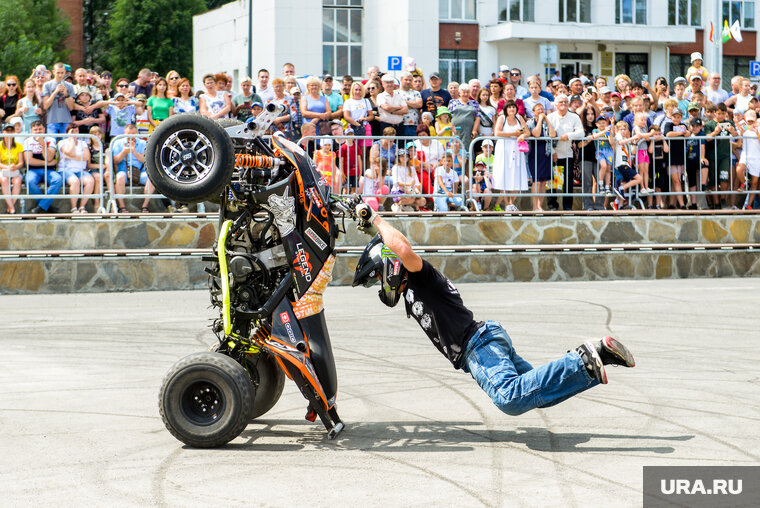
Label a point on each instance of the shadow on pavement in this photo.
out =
(442, 436)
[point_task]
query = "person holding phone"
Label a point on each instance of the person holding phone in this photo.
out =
(58, 100)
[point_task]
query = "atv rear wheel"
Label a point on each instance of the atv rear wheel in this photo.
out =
(206, 400)
(190, 158)
(268, 379)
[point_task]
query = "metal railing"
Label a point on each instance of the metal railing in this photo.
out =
(52, 175)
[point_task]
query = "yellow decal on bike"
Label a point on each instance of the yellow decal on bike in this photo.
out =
(311, 302)
(221, 251)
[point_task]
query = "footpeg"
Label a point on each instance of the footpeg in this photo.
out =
(333, 433)
(311, 415)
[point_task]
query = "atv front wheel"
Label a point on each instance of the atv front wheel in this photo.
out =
(190, 158)
(206, 400)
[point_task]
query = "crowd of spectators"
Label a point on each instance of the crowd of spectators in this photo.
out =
(654, 143)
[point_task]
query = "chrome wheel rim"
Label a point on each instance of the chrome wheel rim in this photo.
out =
(187, 156)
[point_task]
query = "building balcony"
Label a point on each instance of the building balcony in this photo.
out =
(584, 32)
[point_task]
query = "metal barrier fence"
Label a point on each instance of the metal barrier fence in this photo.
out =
(49, 174)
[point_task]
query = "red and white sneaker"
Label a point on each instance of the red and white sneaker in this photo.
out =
(613, 352)
(592, 361)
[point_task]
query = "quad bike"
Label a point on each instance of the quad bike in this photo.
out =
(271, 263)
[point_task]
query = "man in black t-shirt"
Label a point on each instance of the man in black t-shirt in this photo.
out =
(482, 349)
(435, 95)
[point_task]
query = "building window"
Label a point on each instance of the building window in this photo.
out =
(631, 12)
(575, 11)
(456, 10)
(742, 10)
(635, 65)
(685, 12)
(457, 65)
(516, 10)
(342, 37)
(734, 66)
(678, 64)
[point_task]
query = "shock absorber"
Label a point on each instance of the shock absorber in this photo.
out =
(246, 160)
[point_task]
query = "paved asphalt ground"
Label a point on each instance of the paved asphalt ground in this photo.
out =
(80, 426)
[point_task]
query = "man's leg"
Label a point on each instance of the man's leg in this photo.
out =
(567, 201)
(515, 387)
(53, 186)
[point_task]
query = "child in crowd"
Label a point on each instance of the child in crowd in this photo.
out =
(405, 181)
(481, 184)
(443, 126)
(641, 133)
(120, 110)
(460, 158)
(141, 117)
(486, 156)
(676, 131)
(697, 67)
(658, 160)
(371, 183)
(623, 158)
(696, 162)
(751, 154)
(604, 153)
(11, 163)
(719, 155)
(84, 119)
(445, 180)
(428, 121)
(324, 159)
(350, 161)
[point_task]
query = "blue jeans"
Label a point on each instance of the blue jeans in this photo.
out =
(511, 382)
(442, 202)
(53, 184)
(57, 128)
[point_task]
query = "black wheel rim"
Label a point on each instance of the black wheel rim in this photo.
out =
(202, 402)
(187, 156)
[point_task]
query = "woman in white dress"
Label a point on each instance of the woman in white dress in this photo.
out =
(509, 169)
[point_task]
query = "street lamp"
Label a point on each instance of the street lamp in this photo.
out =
(457, 40)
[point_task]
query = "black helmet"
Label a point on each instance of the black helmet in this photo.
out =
(379, 259)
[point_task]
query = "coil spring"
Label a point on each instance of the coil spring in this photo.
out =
(245, 160)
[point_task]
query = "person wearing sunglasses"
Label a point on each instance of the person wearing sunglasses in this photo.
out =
(9, 100)
(515, 77)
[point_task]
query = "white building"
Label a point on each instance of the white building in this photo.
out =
(471, 38)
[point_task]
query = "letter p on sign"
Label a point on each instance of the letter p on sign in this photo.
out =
(394, 63)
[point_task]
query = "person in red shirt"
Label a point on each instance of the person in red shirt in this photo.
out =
(350, 162)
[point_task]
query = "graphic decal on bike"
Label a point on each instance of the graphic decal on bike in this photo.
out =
(316, 239)
(284, 211)
(311, 302)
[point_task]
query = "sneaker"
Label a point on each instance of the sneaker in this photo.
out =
(395, 207)
(37, 210)
(592, 361)
(619, 192)
(613, 352)
(608, 192)
(497, 208)
(645, 192)
(705, 189)
(512, 208)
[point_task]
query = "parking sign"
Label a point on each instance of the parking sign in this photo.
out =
(754, 68)
(394, 63)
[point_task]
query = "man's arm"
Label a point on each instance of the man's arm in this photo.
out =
(398, 243)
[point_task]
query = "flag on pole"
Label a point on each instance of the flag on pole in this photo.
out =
(736, 31)
(726, 33)
(712, 32)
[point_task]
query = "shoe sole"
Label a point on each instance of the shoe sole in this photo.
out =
(619, 194)
(618, 350)
(598, 360)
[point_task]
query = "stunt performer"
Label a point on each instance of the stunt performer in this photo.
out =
(482, 349)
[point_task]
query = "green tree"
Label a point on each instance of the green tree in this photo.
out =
(152, 33)
(34, 32)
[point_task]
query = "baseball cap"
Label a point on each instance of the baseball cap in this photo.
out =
(295, 90)
(387, 78)
(693, 106)
(410, 64)
(326, 77)
(695, 76)
(8, 127)
(696, 121)
(604, 90)
(257, 103)
(630, 95)
(602, 117)
(576, 98)
(676, 111)
(324, 142)
(503, 68)
(573, 81)
(410, 144)
(348, 130)
(487, 142)
(336, 122)
(435, 75)
(401, 151)
(615, 94)
(119, 95)
(141, 97)
(680, 79)
(480, 163)
(591, 89)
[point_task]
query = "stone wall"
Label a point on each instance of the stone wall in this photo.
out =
(91, 233)
(63, 275)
